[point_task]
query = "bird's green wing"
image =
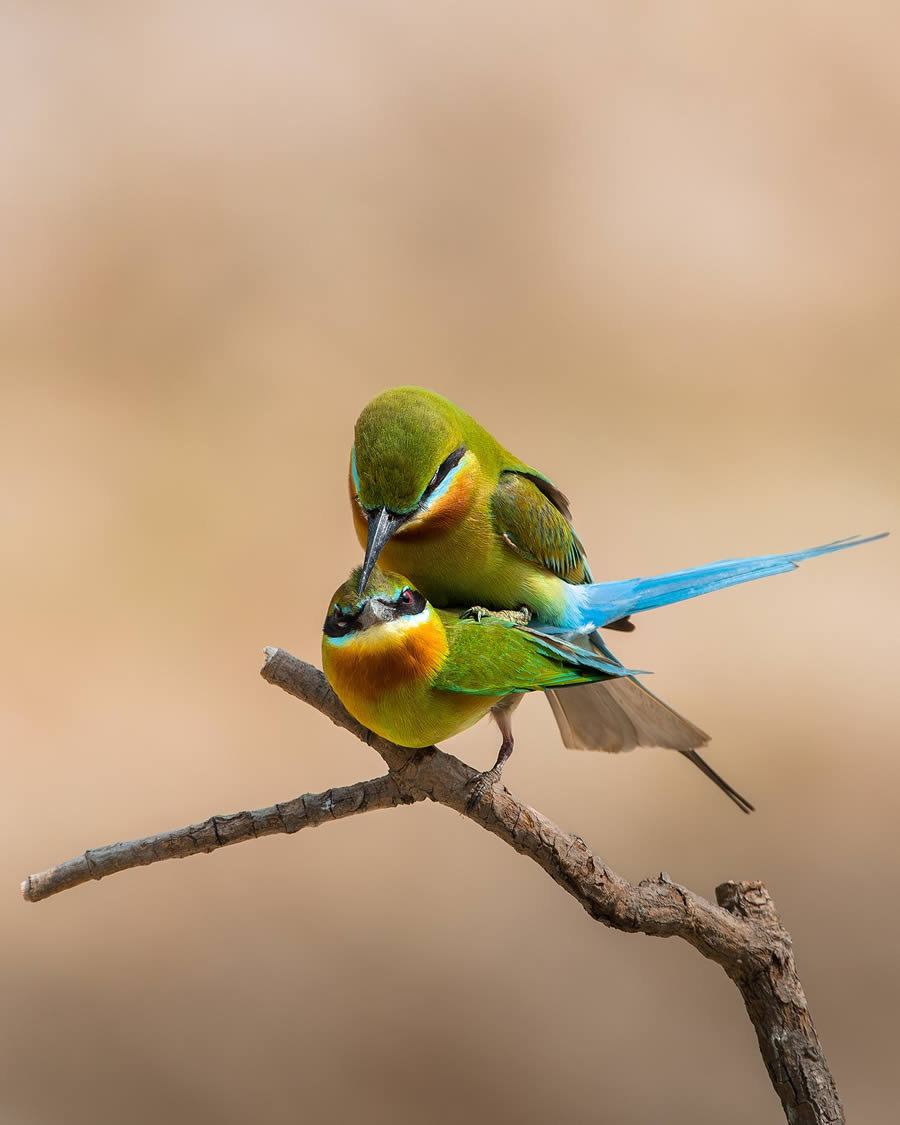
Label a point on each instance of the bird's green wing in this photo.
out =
(533, 518)
(496, 657)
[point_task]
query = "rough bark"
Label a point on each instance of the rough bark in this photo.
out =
(779, 1013)
(742, 933)
(287, 817)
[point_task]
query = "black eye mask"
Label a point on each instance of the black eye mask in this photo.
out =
(445, 467)
(408, 608)
(408, 603)
(339, 624)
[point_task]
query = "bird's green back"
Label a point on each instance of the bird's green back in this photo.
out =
(496, 657)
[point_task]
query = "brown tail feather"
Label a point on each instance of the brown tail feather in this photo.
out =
(617, 715)
(742, 803)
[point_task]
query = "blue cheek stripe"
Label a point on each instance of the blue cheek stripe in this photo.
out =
(353, 471)
(412, 618)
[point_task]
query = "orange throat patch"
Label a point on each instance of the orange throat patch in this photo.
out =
(364, 667)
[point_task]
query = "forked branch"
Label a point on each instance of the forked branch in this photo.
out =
(742, 933)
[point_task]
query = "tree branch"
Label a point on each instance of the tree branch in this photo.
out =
(308, 811)
(742, 933)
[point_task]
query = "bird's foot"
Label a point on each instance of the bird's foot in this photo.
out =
(520, 616)
(481, 784)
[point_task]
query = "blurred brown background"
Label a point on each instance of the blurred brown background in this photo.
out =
(655, 249)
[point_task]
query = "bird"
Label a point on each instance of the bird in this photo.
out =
(436, 497)
(418, 675)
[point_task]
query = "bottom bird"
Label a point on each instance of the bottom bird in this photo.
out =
(418, 675)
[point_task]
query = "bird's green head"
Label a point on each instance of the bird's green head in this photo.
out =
(383, 639)
(386, 597)
(402, 438)
(407, 457)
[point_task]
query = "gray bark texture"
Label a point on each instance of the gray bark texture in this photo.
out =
(743, 933)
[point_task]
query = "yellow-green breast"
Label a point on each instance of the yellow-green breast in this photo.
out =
(383, 677)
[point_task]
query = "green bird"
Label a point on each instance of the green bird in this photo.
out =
(418, 675)
(437, 498)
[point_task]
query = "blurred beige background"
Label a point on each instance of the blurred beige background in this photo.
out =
(655, 249)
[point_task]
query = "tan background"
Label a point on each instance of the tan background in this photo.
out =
(655, 249)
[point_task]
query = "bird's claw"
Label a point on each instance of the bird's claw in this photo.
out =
(481, 784)
(520, 616)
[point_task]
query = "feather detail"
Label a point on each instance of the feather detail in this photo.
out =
(531, 522)
(497, 657)
(602, 602)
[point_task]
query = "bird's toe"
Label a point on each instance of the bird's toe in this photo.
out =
(481, 784)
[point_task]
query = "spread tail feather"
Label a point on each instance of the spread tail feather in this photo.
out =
(600, 603)
(617, 715)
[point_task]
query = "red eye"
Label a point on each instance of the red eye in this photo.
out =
(406, 598)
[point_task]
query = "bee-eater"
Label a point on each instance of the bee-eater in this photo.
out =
(437, 498)
(418, 675)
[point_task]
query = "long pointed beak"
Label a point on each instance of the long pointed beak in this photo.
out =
(382, 525)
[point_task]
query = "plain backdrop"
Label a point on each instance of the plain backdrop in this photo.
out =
(654, 249)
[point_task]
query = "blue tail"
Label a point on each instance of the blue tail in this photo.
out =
(600, 603)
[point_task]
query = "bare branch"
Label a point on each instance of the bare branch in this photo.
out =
(657, 906)
(743, 933)
(308, 811)
(778, 1011)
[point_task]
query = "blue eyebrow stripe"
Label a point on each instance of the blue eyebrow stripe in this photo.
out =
(445, 483)
(439, 491)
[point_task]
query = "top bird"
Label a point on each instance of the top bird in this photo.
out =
(435, 497)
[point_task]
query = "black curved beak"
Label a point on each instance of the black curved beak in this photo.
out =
(382, 525)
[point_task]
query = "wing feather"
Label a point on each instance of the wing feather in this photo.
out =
(533, 518)
(496, 657)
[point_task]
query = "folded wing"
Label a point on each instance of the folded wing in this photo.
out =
(496, 657)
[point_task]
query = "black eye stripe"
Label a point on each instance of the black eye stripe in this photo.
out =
(446, 465)
(415, 605)
(340, 624)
